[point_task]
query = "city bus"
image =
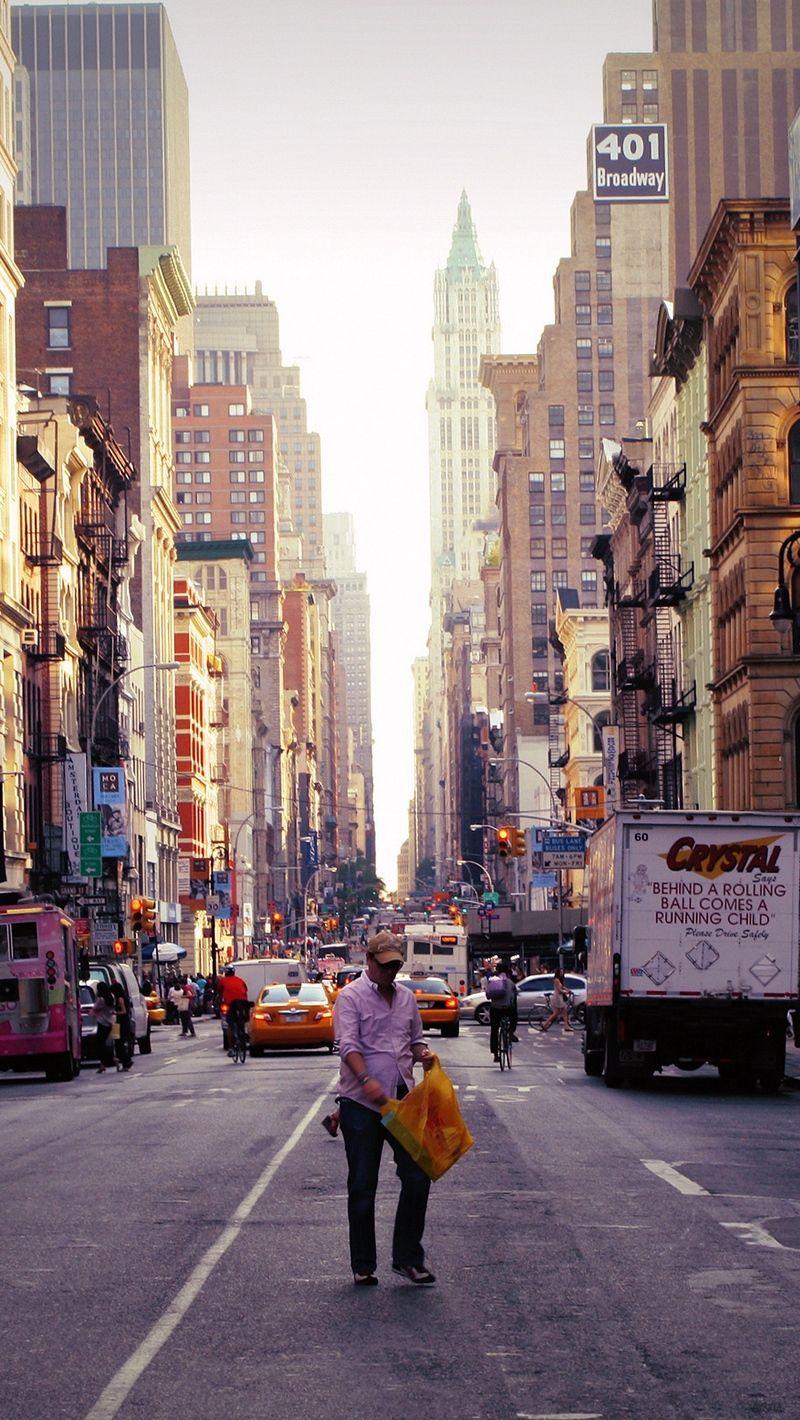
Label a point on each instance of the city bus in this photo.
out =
(40, 1025)
(438, 948)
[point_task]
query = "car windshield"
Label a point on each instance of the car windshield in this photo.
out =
(310, 994)
(575, 983)
(431, 985)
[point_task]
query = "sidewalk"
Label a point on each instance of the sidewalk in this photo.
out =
(792, 1065)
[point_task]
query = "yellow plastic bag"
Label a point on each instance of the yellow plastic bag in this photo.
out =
(429, 1124)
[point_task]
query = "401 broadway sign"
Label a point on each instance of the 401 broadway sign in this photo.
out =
(630, 162)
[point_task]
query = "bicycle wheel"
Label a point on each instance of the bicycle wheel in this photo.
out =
(504, 1045)
(242, 1047)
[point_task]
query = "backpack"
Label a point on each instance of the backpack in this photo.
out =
(496, 988)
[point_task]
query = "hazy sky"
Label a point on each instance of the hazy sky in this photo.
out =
(330, 143)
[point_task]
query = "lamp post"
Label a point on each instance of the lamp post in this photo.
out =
(473, 862)
(132, 670)
(242, 825)
(785, 615)
(514, 759)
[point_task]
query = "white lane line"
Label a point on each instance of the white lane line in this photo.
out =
(561, 1415)
(121, 1384)
(672, 1176)
(172, 1060)
(754, 1235)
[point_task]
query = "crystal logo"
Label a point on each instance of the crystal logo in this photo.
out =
(711, 860)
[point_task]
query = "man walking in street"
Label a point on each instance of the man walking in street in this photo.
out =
(379, 1029)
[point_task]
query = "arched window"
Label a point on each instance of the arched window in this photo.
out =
(601, 673)
(791, 326)
(604, 718)
(794, 463)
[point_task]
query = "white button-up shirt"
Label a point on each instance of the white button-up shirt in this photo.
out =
(383, 1031)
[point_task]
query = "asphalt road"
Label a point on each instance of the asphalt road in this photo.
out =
(173, 1243)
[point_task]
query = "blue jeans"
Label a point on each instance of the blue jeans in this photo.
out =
(364, 1136)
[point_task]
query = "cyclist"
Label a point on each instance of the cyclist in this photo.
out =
(501, 993)
(231, 988)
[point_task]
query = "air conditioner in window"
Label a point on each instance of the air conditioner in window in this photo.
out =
(30, 636)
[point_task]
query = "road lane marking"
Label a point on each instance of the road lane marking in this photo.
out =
(674, 1178)
(120, 1386)
(754, 1235)
(561, 1415)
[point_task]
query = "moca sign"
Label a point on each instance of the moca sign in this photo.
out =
(630, 162)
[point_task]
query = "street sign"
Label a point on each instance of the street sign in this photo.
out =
(104, 933)
(630, 162)
(492, 898)
(562, 850)
(94, 899)
(90, 845)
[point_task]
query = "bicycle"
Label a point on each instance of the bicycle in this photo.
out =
(237, 1034)
(504, 1046)
(576, 1015)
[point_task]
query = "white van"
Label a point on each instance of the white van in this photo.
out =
(259, 972)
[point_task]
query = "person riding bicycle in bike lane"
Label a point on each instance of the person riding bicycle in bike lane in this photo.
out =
(501, 993)
(233, 995)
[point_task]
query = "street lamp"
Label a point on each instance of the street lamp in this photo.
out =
(515, 759)
(132, 670)
(784, 614)
(473, 862)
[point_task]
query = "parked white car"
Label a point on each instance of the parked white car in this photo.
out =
(532, 992)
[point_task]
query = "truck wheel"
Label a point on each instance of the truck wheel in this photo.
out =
(62, 1068)
(593, 1062)
(611, 1071)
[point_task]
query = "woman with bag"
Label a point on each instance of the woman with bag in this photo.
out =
(105, 1015)
(559, 1005)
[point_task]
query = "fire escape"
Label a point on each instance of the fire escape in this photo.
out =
(668, 704)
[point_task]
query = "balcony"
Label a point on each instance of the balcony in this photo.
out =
(220, 719)
(633, 674)
(668, 483)
(667, 585)
(49, 646)
(47, 749)
(634, 595)
(45, 551)
(671, 707)
(558, 761)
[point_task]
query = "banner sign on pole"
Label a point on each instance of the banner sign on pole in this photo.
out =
(562, 850)
(610, 737)
(74, 806)
(109, 798)
(222, 892)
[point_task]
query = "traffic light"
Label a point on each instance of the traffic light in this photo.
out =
(143, 915)
(504, 842)
(519, 846)
(122, 947)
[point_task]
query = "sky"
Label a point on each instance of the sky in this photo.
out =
(330, 141)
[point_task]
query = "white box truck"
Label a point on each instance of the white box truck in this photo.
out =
(695, 920)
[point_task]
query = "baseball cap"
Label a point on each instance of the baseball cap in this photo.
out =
(384, 947)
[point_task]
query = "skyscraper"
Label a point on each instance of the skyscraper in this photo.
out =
(351, 617)
(238, 342)
(102, 125)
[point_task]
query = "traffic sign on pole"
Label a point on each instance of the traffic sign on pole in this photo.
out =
(90, 842)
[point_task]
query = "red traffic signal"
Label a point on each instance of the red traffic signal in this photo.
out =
(504, 842)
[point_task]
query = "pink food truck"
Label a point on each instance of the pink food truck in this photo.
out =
(39, 991)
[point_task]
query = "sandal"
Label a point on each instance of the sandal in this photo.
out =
(364, 1279)
(420, 1276)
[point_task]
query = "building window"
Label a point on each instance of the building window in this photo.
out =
(255, 436)
(539, 648)
(203, 457)
(586, 414)
(188, 518)
(234, 409)
(650, 113)
(601, 663)
(183, 478)
(603, 280)
(203, 518)
(537, 547)
(602, 248)
(238, 497)
(587, 513)
(559, 547)
(606, 414)
(583, 347)
(200, 411)
(627, 80)
(589, 588)
(557, 449)
(535, 484)
(605, 381)
(236, 456)
(255, 496)
(605, 348)
(583, 280)
(182, 436)
(202, 478)
(255, 456)
(559, 580)
(237, 518)
(202, 436)
(58, 328)
(258, 516)
(256, 475)
(59, 384)
(586, 481)
(584, 381)
(794, 463)
(583, 315)
(181, 411)
(181, 498)
(555, 416)
(558, 481)
(558, 515)
(586, 546)
(792, 337)
(538, 581)
(629, 114)
(605, 314)
(183, 457)
(256, 537)
(237, 475)
(539, 614)
(602, 214)
(649, 80)
(203, 498)
(536, 515)
(586, 448)
(236, 436)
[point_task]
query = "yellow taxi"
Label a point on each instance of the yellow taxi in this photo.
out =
(437, 1004)
(286, 1016)
(156, 1010)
